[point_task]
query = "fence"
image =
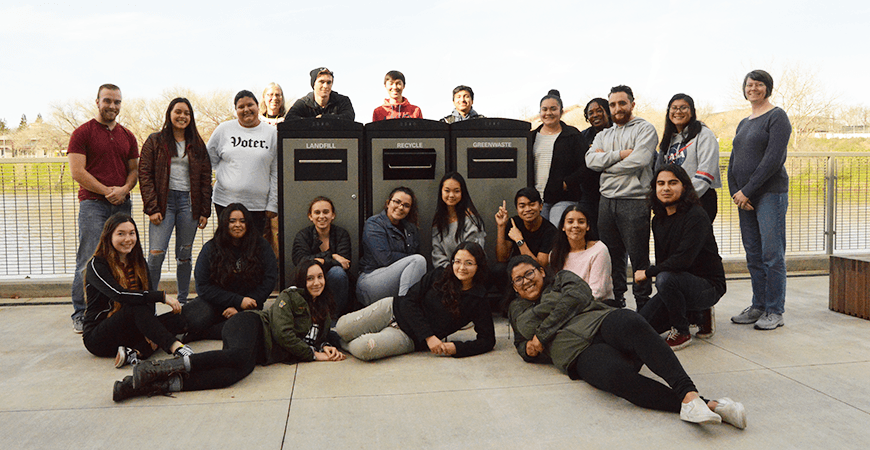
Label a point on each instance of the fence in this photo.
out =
(829, 212)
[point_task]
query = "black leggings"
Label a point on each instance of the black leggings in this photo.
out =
(204, 321)
(243, 343)
(129, 326)
(624, 343)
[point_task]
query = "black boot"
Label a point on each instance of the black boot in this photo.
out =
(147, 372)
(124, 389)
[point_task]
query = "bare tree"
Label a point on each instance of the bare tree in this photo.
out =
(802, 95)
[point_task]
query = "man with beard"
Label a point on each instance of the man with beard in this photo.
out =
(322, 101)
(624, 154)
(688, 270)
(104, 161)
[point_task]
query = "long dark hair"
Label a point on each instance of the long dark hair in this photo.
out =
(561, 247)
(227, 269)
(192, 139)
(322, 306)
(450, 287)
(412, 213)
(688, 198)
(465, 209)
(693, 127)
(136, 258)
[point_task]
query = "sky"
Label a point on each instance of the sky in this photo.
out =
(510, 52)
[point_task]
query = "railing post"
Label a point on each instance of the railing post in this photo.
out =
(830, 204)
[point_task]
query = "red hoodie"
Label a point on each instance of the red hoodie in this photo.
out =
(396, 111)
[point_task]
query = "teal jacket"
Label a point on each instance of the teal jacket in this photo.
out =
(285, 326)
(565, 320)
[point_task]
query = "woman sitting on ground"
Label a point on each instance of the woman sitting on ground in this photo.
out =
(329, 245)
(555, 319)
(577, 249)
(391, 262)
(235, 271)
(444, 301)
(294, 329)
(456, 219)
(119, 320)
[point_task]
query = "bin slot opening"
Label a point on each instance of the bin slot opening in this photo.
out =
(404, 164)
(320, 164)
(500, 162)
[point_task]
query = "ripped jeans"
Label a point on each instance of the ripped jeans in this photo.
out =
(371, 333)
(178, 217)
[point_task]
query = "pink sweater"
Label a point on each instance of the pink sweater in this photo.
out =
(593, 266)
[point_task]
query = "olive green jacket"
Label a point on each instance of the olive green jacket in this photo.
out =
(565, 320)
(285, 325)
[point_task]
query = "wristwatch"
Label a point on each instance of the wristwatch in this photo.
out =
(520, 243)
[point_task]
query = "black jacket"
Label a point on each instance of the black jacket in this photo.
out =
(222, 298)
(307, 246)
(420, 314)
(569, 166)
(338, 107)
(685, 243)
(103, 291)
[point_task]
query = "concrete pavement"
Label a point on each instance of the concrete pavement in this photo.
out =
(806, 385)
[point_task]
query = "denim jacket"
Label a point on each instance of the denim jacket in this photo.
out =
(384, 243)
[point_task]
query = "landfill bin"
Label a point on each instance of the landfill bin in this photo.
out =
(318, 157)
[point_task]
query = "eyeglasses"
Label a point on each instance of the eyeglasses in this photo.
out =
(528, 276)
(683, 108)
(464, 263)
(399, 203)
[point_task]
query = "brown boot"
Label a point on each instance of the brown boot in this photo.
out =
(147, 372)
(124, 389)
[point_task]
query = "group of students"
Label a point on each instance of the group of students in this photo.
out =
(563, 308)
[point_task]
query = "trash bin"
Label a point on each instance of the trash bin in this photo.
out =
(495, 158)
(412, 153)
(318, 157)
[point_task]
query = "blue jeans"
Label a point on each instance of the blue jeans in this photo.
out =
(92, 216)
(677, 293)
(336, 279)
(391, 281)
(178, 217)
(553, 212)
(763, 232)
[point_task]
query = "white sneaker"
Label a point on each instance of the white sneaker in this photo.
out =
(731, 412)
(697, 411)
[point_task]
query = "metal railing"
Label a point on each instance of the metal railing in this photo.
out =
(829, 212)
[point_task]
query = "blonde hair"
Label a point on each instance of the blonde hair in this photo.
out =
(264, 109)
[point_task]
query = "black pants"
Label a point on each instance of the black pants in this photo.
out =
(204, 321)
(678, 295)
(624, 343)
(710, 203)
(130, 326)
(243, 344)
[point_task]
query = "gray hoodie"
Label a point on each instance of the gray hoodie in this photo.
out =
(629, 177)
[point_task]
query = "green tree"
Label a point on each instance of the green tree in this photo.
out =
(3, 128)
(23, 123)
